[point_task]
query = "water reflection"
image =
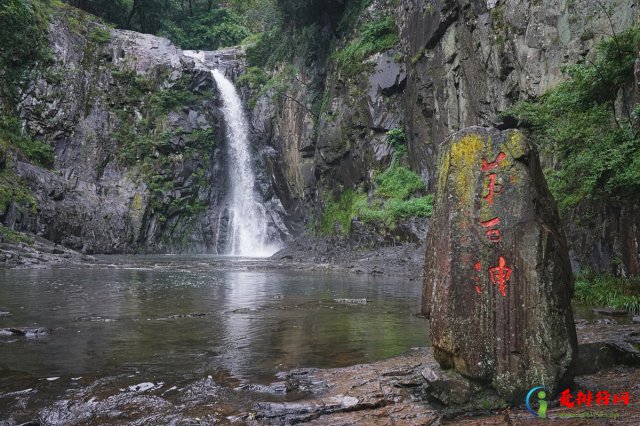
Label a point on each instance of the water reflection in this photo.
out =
(182, 324)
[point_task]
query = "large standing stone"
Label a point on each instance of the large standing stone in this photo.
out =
(498, 281)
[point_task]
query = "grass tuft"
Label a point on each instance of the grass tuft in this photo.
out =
(609, 291)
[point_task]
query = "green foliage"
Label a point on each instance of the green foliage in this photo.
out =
(300, 13)
(12, 137)
(253, 78)
(207, 31)
(337, 215)
(386, 215)
(609, 291)
(202, 139)
(398, 182)
(397, 140)
(373, 37)
(597, 152)
(171, 99)
(396, 198)
(13, 190)
(23, 43)
(351, 14)
(277, 85)
(278, 45)
(10, 236)
(100, 35)
(258, 15)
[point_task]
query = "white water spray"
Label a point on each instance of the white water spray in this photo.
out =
(248, 222)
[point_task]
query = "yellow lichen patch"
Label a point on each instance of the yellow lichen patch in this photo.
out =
(515, 145)
(465, 160)
(136, 202)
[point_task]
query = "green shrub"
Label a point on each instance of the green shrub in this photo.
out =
(100, 35)
(171, 99)
(23, 43)
(373, 37)
(209, 30)
(398, 182)
(351, 14)
(609, 291)
(394, 200)
(387, 214)
(279, 45)
(13, 137)
(14, 190)
(396, 138)
(340, 213)
(253, 78)
(11, 236)
(596, 152)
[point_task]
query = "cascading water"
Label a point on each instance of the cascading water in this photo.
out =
(248, 224)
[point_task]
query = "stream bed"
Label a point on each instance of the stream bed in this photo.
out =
(165, 323)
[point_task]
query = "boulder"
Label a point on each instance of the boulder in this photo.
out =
(498, 282)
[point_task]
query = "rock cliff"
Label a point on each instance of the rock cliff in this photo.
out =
(458, 63)
(137, 137)
(137, 134)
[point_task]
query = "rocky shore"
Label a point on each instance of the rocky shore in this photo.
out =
(397, 391)
(37, 252)
(366, 255)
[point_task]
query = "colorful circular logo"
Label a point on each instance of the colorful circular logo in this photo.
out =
(541, 396)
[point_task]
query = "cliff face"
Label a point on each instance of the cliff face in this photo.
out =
(470, 60)
(137, 136)
(459, 63)
(328, 130)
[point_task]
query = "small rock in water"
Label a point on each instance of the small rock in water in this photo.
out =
(636, 319)
(605, 321)
(26, 332)
(142, 387)
(277, 388)
(351, 301)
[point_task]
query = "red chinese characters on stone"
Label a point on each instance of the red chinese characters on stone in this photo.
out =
(500, 275)
(493, 187)
(486, 166)
(492, 234)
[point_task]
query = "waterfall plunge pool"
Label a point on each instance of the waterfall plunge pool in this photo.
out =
(175, 320)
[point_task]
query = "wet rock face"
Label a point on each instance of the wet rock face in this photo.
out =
(498, 280)
(140, 156)
(469, 60)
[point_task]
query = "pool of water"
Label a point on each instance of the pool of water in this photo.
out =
(178, 319)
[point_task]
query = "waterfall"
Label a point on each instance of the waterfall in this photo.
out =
(248, 222)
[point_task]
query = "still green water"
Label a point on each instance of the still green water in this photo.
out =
(177, 319)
